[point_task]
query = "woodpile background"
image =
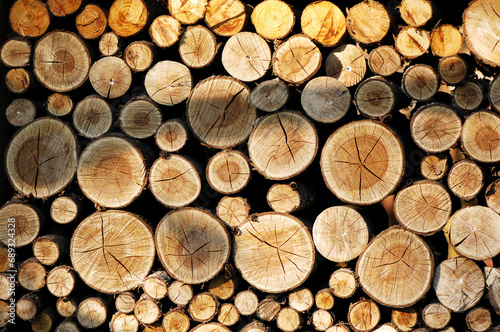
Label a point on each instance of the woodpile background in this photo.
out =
(194, 165)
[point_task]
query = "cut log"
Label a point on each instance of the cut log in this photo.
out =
(16, 52)
(494, 295)
(175, 321)
(288, 198)
(453, 69)
(416, 13)
(278, 242)
(223, 287)
(172, 135)
(4, 258)
(49, 248)
(233, 211)
(324, 23)
(480, 136)
(404, 319)
(197, 46)
(20, 112)
(29, 18)
(28, 305)
(41, 158)
(68, 325)
(187, 12)
(363, 315)
(210, 327)
(61, 281)
(228, 172)
(4, 313)
(480, 31)
(44, 321)
(413, 42)
(155, 327)
(61, 61)
(174, 181)
(434, 166)
(347, 64)
(66, 306)
(387, 327)
(139, 118)
(297, 59)
(423, 208)
(5, 285)
(31, 275)
(59, 104)
(91, 22)
(339, 327)
(246, 56)
(225, 18)
(112, 251)
(420, 82)
(109, 44)
(168, 82)
(111, 172)
(193, 245)
(343, 283)
(91, 312)
(18, 80)
(459, 283)
(110, 77)
(468, 96)
(479, 319)
(21, 225)
(384, 60)
(446, 40)
(376, 97)
(203, 307)
(125, 302)
(65, 209)
(288, 320)
(273, 19)
(301, 299)
(156, 285)
(123, 322)
(340, 233)
(321, 320)
(466, 179)
(139, 55)
(436, 315)
(92, 117)
(494, 93)
(219, 112)
(254, 326)
(325, 99)
(475, 231)
(268, 309)
(368, 22)
(180, 293)
(401, 279)
(492, 196)
(127, 17)
(282, 145)
(147, 310)
(372, 173)
(246, 302)
(270, 95)
(324, 299)
(63, 8)
(165, 31)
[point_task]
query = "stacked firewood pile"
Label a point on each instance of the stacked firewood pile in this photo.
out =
(215, 165)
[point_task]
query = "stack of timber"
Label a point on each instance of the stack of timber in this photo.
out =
(250, 165)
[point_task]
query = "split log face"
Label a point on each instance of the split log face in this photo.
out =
(32, 275)
(171, 136)
(66, 307)
(127, 17)
(219, 112)
(59, 104)
(27, 224)
(112, 251)
(297, 59)
(446, 40)
(29, 18)
(20, 112)
(123, 322)
(416, 13)
(465, 179)
(453, 69)
(165, 31)
(288, 320)
(41, 158)
(420, 82)
(279, 242)
(63, 8)
(109, 44)
(343, 283)
(479, 319)
(139, 55)
(193, 245)
(222, 287)
(228, 172)
(15, 52)
(92, 116)
(61, 281)
(475, 232)
(225, 18)
(492, 196)
(363, 315)
(91, 313)
(423, 208)
(468, 96)
(368, 22)
(189, 11)
(494, 93)
(340, 233)
(402, 278)
(246, 56)
(481, 136)
(325, 99)
(282, 145)
(413, 42)
(435, 127)
(270, 95)
(347, 64)
(481, 34)
(405, 319)
(436, 315)
(110, 77)
(91, 22)
(174, 181)
(375, 97)
(139, 118)
(125, 302)
(459, 283)
(18, 80)
(64, 209)
(233, 211)
(168, 82)
(246, 303)
(175, 321)
(434, 166)
(268, 309)
(180, 293)
(324, 23)
(61, 61)
(370, 174)
(111, 172)
(273, 19)
(384, 60)
(197, 46)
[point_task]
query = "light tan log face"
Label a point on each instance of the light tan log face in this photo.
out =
(481, 136)
(368, 22)
(110, 77)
